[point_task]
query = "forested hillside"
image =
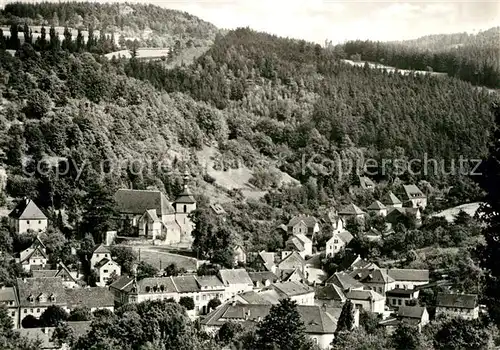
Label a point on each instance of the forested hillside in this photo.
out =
(255, 97)
(473, 58)
(150, 25)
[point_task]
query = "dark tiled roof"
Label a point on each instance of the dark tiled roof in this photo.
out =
(291, 261)
(351, 209)
(136, 202)
(34, 250)
(376, 205)
(121, 282)
(294, 243)
(160, 284)
(26, 209)
(363, 295)
(315, 320)
(412, 191)
(102, 249)
(235, 276)
(371, 276)
(101, 263)
(285, 274)
(310, 221)
(400, 292)
(8, 294)
(292, 288)
(90, 297)
(411, 311)
(391, 199)
(35, 286)
(185, 197)
(409, 275)
(185, 284)
(209, 281)
(464, 301)
(254, 298)
(343, 281)
(263, 276)
(345, 236)
(329, 292)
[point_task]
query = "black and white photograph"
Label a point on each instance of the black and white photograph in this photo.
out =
(249, 175)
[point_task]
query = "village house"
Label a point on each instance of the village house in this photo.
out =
(360, 263)
(457, 305)
(374, 279)
(94, 298)
(299, 243)
(391, 201)
(352, 211)
(101, 252)
(26, 216)
(262, 279)
(297, 291)
(377, 208)
(235, 281)
(36, 294)
(366, 183)
(239, 255)
(34, 257)
(339, 240)
(344, 281)
(415, 198)
(291, 261)
(287, 275)
(9, 299)
(329, 295)
(402, 297)
(262, 261)
(319, 325)
(105, 269)
(306, 225)
(367, 300)
(44, 335)
(408, 278)
(69, 278)
(201, 289)
(416, 316)
(217, 209)
(397, 214)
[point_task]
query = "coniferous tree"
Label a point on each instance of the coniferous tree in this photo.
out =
(28, 36)
(80, 42)
(55, 43)
(67, 43)
(282, 328)
(41, 42)
(14, 42)
(489, 181)
(346, 318)
(3, 43)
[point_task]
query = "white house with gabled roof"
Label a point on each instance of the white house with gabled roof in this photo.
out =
(26, 216)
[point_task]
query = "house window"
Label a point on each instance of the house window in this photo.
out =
(185, 208)
(25, 310)
(105, 271)
(31, 311)
(13, 313)
(393, 301)
(399, 301)
(336, 241)
(28, 222)
(38, 311)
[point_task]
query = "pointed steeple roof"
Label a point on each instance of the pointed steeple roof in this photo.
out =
(185, 197)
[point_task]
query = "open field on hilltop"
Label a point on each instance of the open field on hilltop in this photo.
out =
(236, 178)
(449, 214)
(391, 69)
